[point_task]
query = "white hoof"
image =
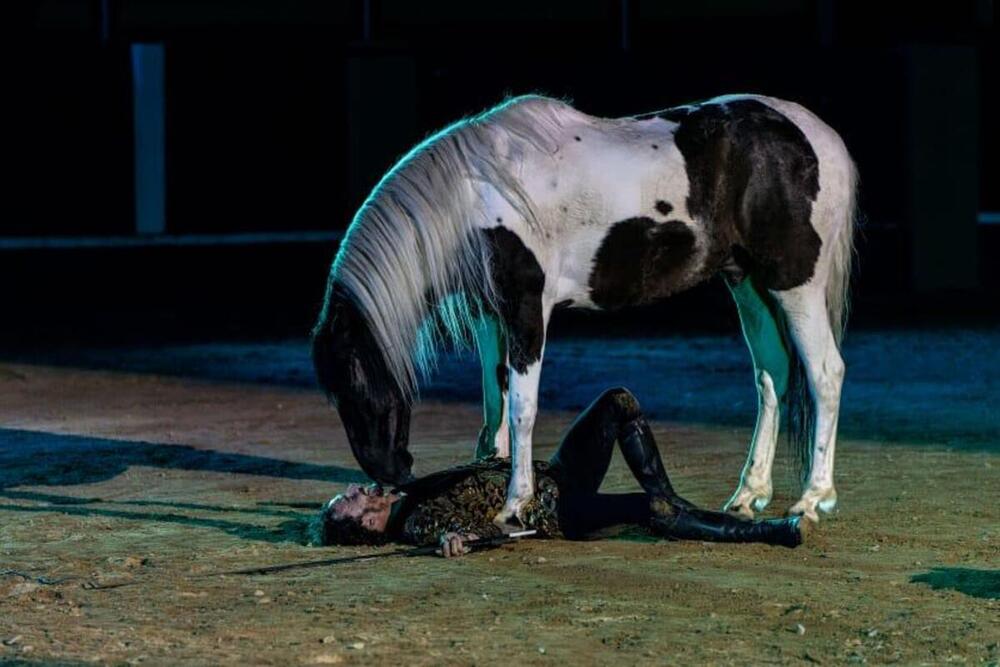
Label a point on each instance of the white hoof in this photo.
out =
(813, 501)
(509, 518)
(748, 500)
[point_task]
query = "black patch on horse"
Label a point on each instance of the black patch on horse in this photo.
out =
(753, 179)
(640, 261)
(519, 282)
(665, 208)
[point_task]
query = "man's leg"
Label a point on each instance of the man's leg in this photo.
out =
(709, 526)
(584, 454)
(582, 461)
(585, 451)
(672, 516)
(589, 516)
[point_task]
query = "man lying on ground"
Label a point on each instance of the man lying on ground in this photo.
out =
(456, 505)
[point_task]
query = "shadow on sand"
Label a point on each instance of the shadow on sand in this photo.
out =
(29, 458)
(975, 583)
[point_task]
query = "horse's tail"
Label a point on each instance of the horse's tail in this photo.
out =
(798, 400)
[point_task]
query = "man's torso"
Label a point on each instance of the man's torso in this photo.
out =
(465, 500)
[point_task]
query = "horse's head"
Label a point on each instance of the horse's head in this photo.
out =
(352, 371)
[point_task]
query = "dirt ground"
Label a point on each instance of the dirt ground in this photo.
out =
(139, 479)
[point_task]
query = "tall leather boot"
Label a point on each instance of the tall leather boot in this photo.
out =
(696, 524)
(643, 458)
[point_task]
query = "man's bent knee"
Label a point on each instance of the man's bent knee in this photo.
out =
(622, 401)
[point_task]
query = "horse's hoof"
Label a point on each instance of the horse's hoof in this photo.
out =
(509, 518)
(746, 501)
(814, 501)
(808, 515)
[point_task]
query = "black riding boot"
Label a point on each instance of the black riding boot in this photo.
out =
(643, 458)
(696, 524)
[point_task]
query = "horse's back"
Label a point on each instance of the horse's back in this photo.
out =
(636, 209)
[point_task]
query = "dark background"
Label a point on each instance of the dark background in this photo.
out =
(280, 116)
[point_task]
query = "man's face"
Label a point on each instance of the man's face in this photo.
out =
(369, 505)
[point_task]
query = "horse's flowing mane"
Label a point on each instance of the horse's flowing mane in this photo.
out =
(411, 259)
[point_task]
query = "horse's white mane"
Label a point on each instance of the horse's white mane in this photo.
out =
(411, 259)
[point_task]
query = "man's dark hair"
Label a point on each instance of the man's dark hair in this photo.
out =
(347, 531)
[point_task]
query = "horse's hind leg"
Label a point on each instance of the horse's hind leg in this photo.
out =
(494, 438)
(809, 324)
(770, 361)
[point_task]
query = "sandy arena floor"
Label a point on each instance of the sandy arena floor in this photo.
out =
(121, 478)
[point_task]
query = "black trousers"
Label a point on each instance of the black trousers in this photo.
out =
(584, 455)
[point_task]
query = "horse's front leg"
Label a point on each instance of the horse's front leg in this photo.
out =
(523, 307)
(523, 410)
(494, 438)
(526, 346)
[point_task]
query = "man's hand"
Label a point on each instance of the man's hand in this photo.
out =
(452, 545)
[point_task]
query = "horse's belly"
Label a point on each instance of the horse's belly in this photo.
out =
(635, 261)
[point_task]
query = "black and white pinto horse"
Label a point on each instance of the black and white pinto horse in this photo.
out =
(487, 226)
